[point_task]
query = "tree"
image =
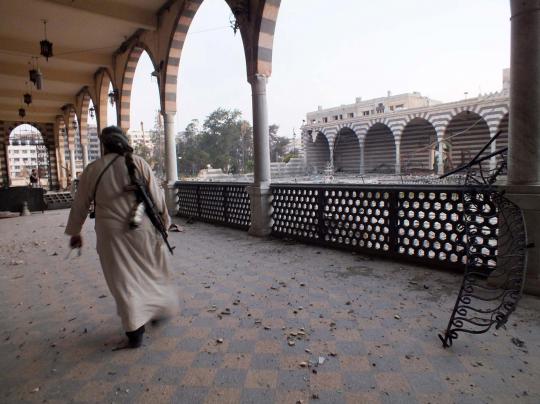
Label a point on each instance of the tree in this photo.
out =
(278, 144)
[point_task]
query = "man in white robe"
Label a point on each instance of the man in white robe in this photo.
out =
(134, 261)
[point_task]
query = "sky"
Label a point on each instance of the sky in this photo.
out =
(330, 52)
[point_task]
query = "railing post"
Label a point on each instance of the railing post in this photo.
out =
(321, 228)
(393, 206)
(225, 204)
(198, 201)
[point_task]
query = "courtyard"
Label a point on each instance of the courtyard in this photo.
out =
(261, 320)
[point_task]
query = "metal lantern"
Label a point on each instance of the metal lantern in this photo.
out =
(36, 77)
(113, 96)
(92, 111)
(27, 98)
(22, 112)
(45, 45)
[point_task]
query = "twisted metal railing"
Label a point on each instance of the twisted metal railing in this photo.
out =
(495, 246)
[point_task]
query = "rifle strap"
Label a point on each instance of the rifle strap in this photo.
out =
(93, 213)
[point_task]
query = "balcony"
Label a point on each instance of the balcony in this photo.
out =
(262, 320)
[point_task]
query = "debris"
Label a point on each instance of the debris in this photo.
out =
(213, 308)
(35, 390)
(267, 328)
(321, 360)
(219, 340)
(16, 262)
(175, 228)
(517, 342)
(302, 284)
(315, 396)
(397, 317)
(71, 319)
(291, 342)
(303, 364)
(226, 311)
(54, 254)
(102, 296)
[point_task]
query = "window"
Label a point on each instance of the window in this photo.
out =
(400, 106)
(335, 117)
(391, 107)
(325, 119)
(366, 113)
(350, 115)
(340, 116)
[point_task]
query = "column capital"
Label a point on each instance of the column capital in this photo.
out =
(258, 79)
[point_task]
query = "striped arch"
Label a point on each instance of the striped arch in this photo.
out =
(266, 28)
(346, 151)
(418, 146)
(466, 133)
(104, 79)
(127, 82)
(379, 148)
(317, 149)
(172, 63)
(83, 116)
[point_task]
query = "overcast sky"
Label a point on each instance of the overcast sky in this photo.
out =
(329, 52)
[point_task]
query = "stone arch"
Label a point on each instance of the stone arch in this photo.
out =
(418, 146)
(317, 151)
(346, 151)
(380, 150)
(104, 81)
(29, 147)
(172, 62)
(265, 41)
(466, 133)
(127, 81)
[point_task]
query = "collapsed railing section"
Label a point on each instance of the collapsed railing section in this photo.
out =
(221, 203)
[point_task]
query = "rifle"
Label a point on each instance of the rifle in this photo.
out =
(144, 197)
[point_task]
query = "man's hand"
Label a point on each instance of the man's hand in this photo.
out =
(75, 241)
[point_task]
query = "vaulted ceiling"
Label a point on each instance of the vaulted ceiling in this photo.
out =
(84, 33)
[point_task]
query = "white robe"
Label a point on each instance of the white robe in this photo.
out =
(134, 261)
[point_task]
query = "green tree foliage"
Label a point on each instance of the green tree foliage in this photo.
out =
(225, 141)
(278, 144)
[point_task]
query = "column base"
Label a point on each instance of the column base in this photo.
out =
(170, 198)
(261, 211)
(528, 199)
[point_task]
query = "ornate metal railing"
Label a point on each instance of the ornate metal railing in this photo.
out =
(423, 224)
(215, 202)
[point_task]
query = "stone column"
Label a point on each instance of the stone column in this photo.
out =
(73, 164)
(259, 191)
(524, 127)
(84, 154)
(171, 168)
(362, 156)
(440, 150)
(397, 139)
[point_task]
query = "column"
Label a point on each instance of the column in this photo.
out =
(362, 156)
(524, 127)
(170, 147)
(440, 152)
(493, 160)
(84, 154)
(171, 170)
(259, 191)
(397, 139)
(73, 165)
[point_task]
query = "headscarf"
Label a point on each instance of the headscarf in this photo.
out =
(115, 140)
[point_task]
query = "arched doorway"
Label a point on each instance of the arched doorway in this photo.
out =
(379, 150)
(346, 152)
(464, 136)
(418, 147)
(27, 151)
(317, 152)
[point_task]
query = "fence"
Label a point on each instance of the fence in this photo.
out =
(419, 223)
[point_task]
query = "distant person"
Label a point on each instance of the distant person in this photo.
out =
(134, 261)
(34, 179)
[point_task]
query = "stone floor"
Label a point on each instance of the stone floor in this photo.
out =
(261, 321)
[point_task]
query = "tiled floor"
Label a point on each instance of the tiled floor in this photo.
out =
(306, 325)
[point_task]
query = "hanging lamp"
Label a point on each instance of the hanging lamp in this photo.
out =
(45, 45)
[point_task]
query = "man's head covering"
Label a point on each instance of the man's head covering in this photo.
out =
(115, 140)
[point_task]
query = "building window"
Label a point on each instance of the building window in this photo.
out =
(391, 107)
(335, 117)
(325, 119)
(366, 113)
(400, 106)
(350, 115)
